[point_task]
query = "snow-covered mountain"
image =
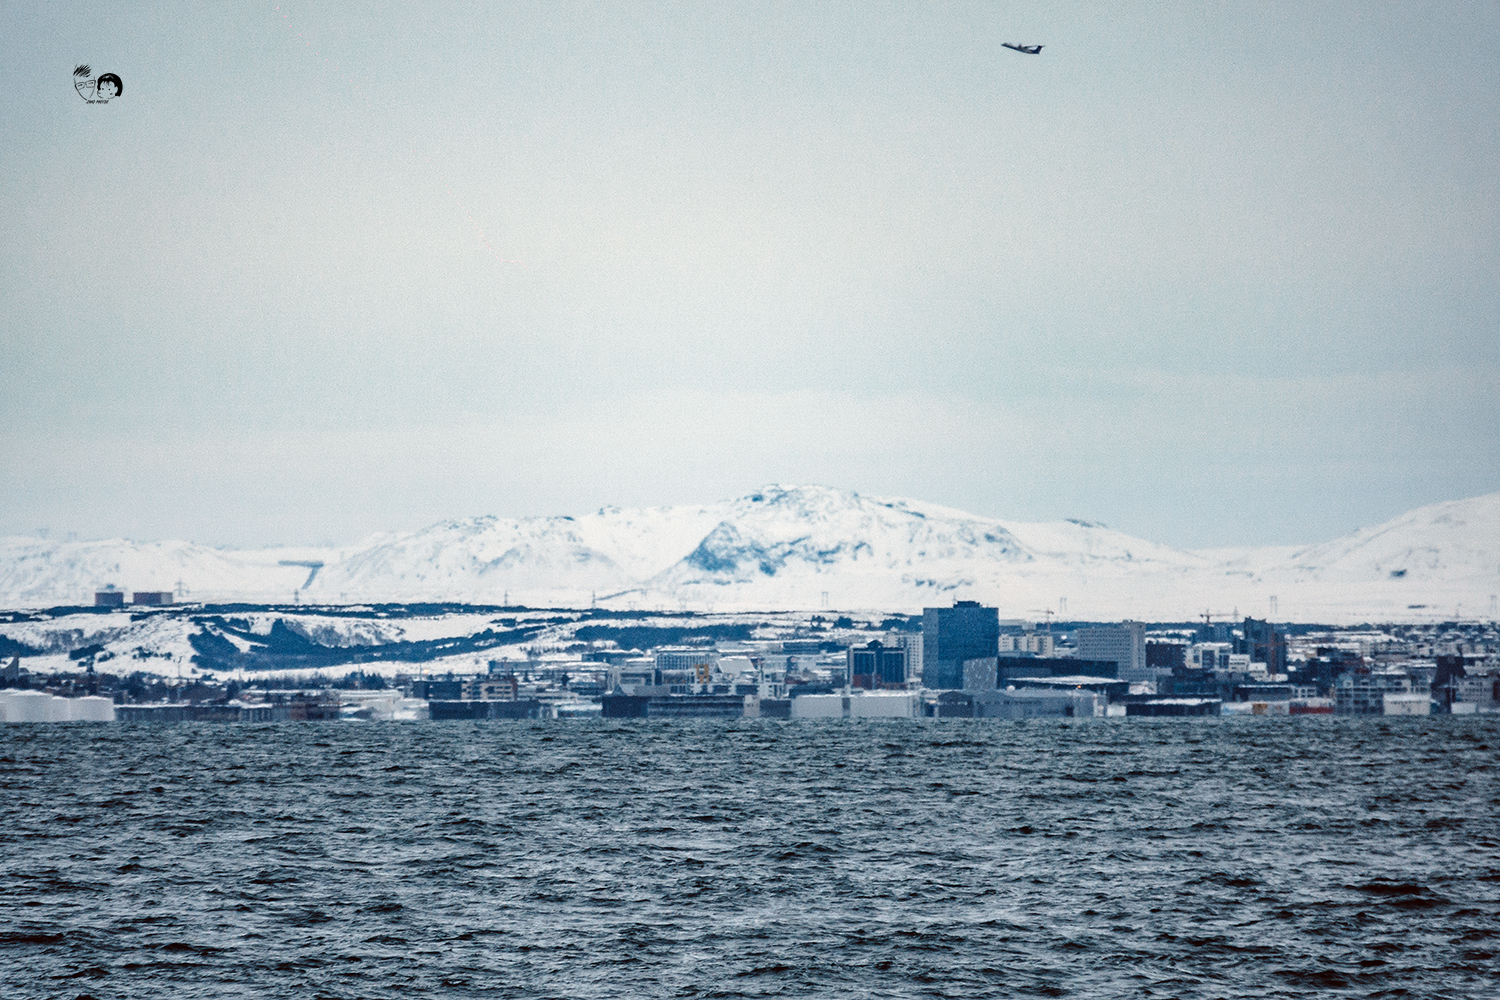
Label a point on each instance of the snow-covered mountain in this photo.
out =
(811, 547)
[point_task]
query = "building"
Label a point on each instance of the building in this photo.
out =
(109, 597)
(1210, 656)
(443, 690)
(1167, 656)
(1036, 703)
(1265, 645)
(1054, 666)
(1124, 643)
(675, 706)
(1106, 687)
(966, 631)
(1364, 694)
(1152, 707)
(857, 705)
(912, 643)
(1480, 693)
(699, 660)
(492, 688)
(524, 708)
(981, 674)
(150, 598)
(1029, 641)
(39, 706)
(1406, 704)
(877, 666)
(1265, 692)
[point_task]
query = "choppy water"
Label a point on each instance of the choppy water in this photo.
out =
(1111, 858)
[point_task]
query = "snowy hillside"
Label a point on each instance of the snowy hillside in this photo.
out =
(36, 572)
(1456, 540)
(810, 547)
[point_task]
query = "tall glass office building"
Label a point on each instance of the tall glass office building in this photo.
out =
(950, 636)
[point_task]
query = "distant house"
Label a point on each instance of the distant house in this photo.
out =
(152, 598)
(109, 598)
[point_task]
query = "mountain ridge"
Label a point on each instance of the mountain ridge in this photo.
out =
(806, 547)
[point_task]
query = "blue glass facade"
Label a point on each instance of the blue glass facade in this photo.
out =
(966, 631)
(877, 666)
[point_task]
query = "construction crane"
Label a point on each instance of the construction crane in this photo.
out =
(1043, 611)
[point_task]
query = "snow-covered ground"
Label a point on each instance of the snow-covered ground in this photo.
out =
(807, 548)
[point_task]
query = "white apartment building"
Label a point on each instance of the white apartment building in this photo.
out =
(1039, 643)
(1364, 694)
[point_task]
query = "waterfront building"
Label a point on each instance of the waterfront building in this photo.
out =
(521, 708)
(1480, 693)
(856, 704)
(1107, 688)
(1038, 703)
(1173, 706)
(39, 706)
(1364, 694)
(950, 636)
(675, 706)
(438, 690)
(1406, 704)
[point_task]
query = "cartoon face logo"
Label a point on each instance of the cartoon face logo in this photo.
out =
(96, 91)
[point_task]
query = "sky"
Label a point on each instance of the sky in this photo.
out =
(1214, 277)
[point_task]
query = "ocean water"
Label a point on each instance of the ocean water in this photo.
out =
(1257, 857)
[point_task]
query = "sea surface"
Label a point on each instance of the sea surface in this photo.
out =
(1317, 857)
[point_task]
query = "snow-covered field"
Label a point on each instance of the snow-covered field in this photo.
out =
(811, 548)
(413, 643)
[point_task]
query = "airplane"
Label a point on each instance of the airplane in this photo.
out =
(1030, 50)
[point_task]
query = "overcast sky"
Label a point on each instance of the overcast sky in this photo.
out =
(1213, 277)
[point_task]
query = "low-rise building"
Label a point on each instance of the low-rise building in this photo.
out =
(1406, 704)
(1036, 643)
(856, 704)
(699, 660)
(1038, 703)
(1478, 693)
(1364, 694)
